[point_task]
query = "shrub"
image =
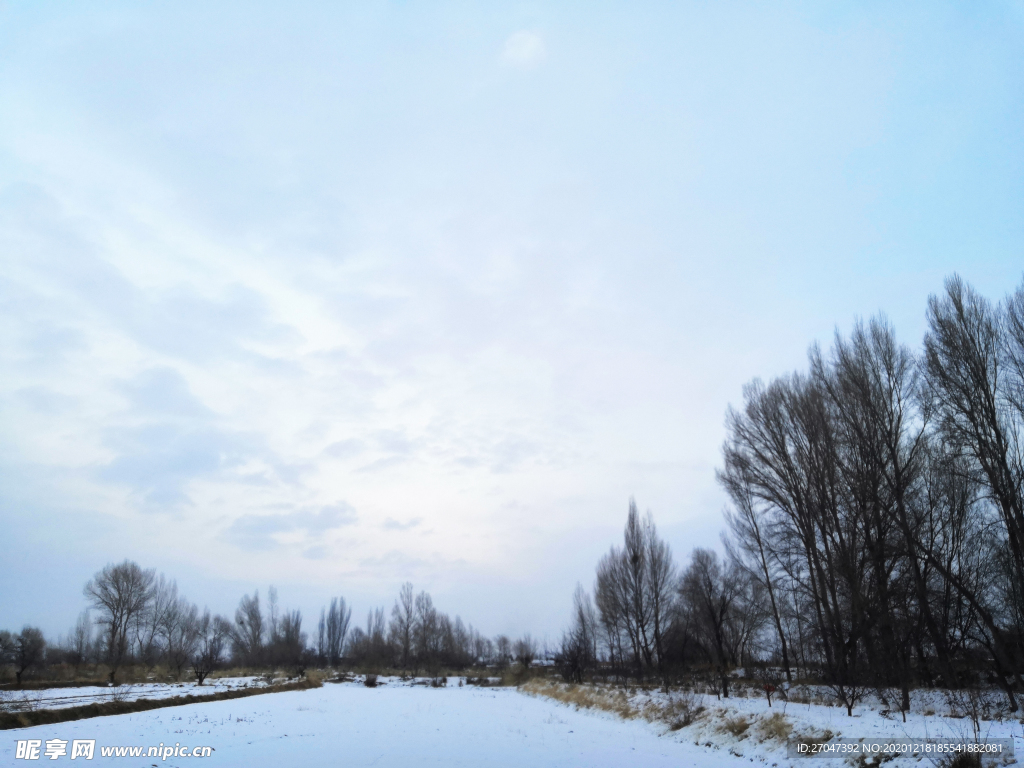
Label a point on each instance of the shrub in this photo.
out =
(775, 728)
(737, 726)
(962, 760)
(813, 735)
(370, 681)
(681, 711)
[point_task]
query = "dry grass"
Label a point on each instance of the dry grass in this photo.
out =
(962, 760)
(584, 697)
(737, 726)
(63, 676)
(681, 711)
(677, 712)
(218, 674)
(814, 736)
(775, 728)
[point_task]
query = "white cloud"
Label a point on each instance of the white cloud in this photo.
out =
(523, 49)
(251, 276)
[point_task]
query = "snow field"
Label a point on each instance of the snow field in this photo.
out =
(408, 723)
(60, 698)
(397, 725)
(747, 728)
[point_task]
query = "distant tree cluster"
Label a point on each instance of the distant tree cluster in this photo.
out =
(138, 619)
(134, 618)
(142, 620)
(648, 619)
(876, 530)
(23, 651)
(419, 637)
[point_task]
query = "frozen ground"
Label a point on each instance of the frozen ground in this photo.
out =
(741, 727)
(402, 724)
(394, 725)
(59, 698)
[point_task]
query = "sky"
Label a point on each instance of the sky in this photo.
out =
(338, 296)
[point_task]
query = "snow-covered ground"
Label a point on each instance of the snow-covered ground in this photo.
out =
(59, 698)
(747, 728)
(393, 725)
(413, 724)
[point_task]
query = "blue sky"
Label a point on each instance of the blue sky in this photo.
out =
(339, 297)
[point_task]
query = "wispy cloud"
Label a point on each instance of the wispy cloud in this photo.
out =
(390, 524)
(262, 532)
(482, 298)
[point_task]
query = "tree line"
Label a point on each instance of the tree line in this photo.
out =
(875, 528)
(138, 619)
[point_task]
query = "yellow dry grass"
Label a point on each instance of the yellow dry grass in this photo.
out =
(775, 728)
(584, 697)
(737, 726)
(677, 712)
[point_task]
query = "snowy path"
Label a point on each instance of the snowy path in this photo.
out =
(349, 725)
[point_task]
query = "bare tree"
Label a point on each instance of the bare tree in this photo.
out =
(338, 618)
(634, 591)
(425, 629)
(403, 621)
(978, 404)
(80, 641)
(525, 650)
(208, 641)
(459, 647)
(710, 592)
(248, 634)
(661, 583)
(321, 637)
(29, 650)
(634, 573)
(750, 548)
(7, 648)
(148, 624)
(483, 649)
(577, 653)
(974, 354)
(273, 616)
(378, 650)
(120, 593)
(871, 385)
(291, 640)
(502, 651)
(179, 630)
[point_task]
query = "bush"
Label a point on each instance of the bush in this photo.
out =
(775, 728)
(370, 681)
(682, 710)
(962, 760)
(737, 726)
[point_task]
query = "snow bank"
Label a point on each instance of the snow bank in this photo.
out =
(748, 728)
(60, 698)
